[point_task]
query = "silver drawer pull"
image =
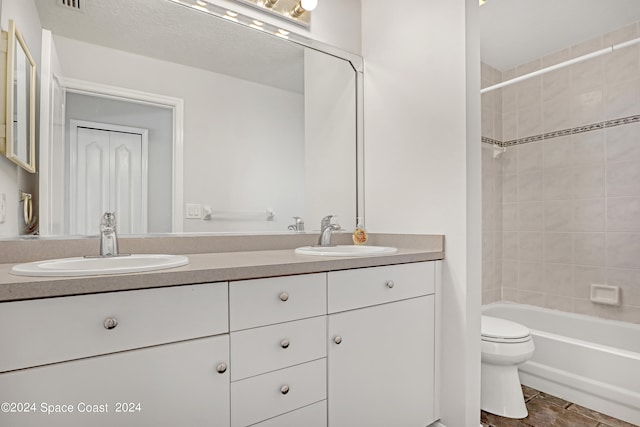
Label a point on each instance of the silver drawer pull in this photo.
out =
(284, 389)
(390, 284)
(284, 343)
(337, 339)
(284, 296)
(221, 368)
(110, 322)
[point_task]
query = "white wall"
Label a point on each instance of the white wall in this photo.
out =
(12, 178)
(229, 128)
(422, 162)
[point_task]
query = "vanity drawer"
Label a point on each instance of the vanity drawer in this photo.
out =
(350, 289)
(38, 332)
(260, 350)
(259, 398)
(310, 416)
(262, 302)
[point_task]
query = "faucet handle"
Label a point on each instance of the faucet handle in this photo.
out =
(108, 219)
(327, 220)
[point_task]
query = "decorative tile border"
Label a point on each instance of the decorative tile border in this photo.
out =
(565, 132)
(491, 141)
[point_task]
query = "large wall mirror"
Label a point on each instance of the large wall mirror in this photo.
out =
(186, 122)
(19, 125)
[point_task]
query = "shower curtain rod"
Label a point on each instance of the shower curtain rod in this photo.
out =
(562, 65)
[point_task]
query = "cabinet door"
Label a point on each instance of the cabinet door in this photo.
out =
(381, 365)
(168, 385)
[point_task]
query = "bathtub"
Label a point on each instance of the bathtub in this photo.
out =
(586, 360)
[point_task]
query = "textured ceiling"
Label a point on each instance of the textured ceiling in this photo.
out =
(165, 30)
(514, 32)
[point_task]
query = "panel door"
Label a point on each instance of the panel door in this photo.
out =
(169, 385)
(126, 190)
(92, 176)
(381, 365)
(109, 175)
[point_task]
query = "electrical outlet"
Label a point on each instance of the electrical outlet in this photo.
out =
(3, 208)
(194, 211)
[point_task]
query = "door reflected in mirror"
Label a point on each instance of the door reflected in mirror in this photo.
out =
(256, 130)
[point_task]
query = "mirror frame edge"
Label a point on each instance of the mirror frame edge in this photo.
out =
(357, 63)
(14, 37)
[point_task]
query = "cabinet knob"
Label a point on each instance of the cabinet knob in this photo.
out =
(284, 343)
(284, 296)
(337, 339)
(221, 368)
(110, 322)
(284, 389)
(390, 284)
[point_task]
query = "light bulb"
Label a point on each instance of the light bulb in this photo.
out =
(308, 5)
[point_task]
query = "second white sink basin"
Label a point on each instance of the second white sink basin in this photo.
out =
(345, 250)
(90, 266)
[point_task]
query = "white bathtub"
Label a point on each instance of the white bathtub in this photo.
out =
(589, 361)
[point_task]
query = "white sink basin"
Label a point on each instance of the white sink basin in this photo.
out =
(345, 250)
(90, 266)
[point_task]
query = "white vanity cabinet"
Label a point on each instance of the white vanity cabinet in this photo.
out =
(278, 351)
(332, 349)
(156, 357)
(381, 356)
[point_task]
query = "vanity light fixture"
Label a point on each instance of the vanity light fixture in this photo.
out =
(231, 16)
(258, 25)
(482, 2)
(246, 20)
(200, 5)
(296, 11)
(282, 33)
(303, 6)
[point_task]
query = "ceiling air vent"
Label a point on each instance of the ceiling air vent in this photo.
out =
(70, 4)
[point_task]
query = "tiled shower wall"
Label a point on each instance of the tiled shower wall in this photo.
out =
(566, 213)
(491, 188)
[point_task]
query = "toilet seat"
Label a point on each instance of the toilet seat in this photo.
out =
(497, 330)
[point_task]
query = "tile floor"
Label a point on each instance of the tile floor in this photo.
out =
(546, 411)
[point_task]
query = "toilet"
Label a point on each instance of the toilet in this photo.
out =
(505, 345)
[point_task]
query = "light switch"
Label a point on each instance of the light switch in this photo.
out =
(194, 211)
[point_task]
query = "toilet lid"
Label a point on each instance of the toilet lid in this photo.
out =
(495, 329)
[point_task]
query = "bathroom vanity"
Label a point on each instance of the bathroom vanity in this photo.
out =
(285, 341)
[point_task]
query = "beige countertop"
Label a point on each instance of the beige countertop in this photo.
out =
(209, 267)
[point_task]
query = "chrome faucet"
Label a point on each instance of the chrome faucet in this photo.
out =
(326, 228)
(108, 236)
(298, 226)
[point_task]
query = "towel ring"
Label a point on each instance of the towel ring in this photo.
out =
(27, 207)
